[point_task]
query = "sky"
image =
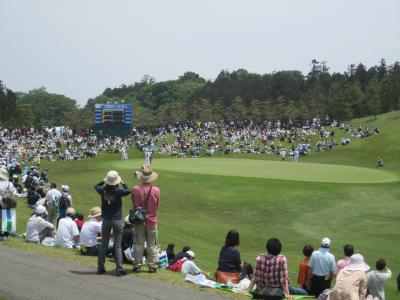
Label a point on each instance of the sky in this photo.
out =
(80, 47)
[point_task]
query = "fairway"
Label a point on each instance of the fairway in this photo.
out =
(286, 170)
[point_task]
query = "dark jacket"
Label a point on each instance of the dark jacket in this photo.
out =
(229, 260)
(111, 203)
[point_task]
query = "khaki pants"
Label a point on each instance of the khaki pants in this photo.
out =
(53, 213)
(150, 236)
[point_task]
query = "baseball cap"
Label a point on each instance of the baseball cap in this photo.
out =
(326, 242)
(190, 253)
(40, 209)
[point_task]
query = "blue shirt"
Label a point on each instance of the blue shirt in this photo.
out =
(322, 262)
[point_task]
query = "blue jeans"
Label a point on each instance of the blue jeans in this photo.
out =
(116, 227)
(297, 291)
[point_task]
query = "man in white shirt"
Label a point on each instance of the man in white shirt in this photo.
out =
(38, 228)
(377, 279)
(51, 200)
(67, 231)
(189, 266)
(89, 233)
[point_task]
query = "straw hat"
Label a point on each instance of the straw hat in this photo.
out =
(94, 212)
(357, 263)
(146, 175)
(112, 178)
(3, 174)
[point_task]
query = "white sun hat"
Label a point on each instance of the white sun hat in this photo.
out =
(112, 178)
(357, 263)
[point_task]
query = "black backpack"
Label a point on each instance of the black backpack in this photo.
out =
(64, 202)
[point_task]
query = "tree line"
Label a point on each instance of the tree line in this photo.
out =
(232, 96)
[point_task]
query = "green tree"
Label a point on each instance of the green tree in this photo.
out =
(8, 111)
(26, 116)
(372, 97)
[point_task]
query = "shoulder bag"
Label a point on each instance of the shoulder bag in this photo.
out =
(138, 215)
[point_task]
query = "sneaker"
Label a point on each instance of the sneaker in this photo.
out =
(101, 271)
(152, 270)
(121, 272)
(137, 270)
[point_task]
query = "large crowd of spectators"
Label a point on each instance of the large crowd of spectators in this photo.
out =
(54, 222)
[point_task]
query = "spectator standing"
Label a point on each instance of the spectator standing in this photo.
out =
(147, 196)
(377, 279)
(65, 201)
(348, 252)
(67, 232)
(111, 207)
(322, 264)
(51, 201)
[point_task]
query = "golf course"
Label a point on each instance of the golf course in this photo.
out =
(341, 194)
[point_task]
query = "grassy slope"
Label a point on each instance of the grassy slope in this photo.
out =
(198, 210)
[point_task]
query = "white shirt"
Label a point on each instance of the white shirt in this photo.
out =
(4, 185)
(66, 231)
(89, 232)
(189, 267)
(35, 225)
(53, 196)
(375, 282)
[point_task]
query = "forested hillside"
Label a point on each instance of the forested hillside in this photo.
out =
(236, 95)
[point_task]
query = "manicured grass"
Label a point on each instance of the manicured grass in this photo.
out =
(198, 208)
(286, 170)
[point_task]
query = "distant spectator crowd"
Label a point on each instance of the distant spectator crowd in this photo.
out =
(192, 139)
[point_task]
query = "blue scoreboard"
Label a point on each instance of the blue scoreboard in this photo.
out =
(113, 119)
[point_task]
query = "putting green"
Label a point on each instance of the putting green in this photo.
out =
(267, 169)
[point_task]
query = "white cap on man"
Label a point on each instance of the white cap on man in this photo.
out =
(190, 253)
(40, 209)
(326, 242)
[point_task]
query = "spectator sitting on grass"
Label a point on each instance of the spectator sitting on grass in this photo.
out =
(348, 252)
(351, 282)
(128, 239)
(67, 231)
(181, 255)
(304, 278)
(229, 262)
(90, 232)
(272, 271)
(79, 221)
(37, 228)
(189, 266)
(170, 251)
